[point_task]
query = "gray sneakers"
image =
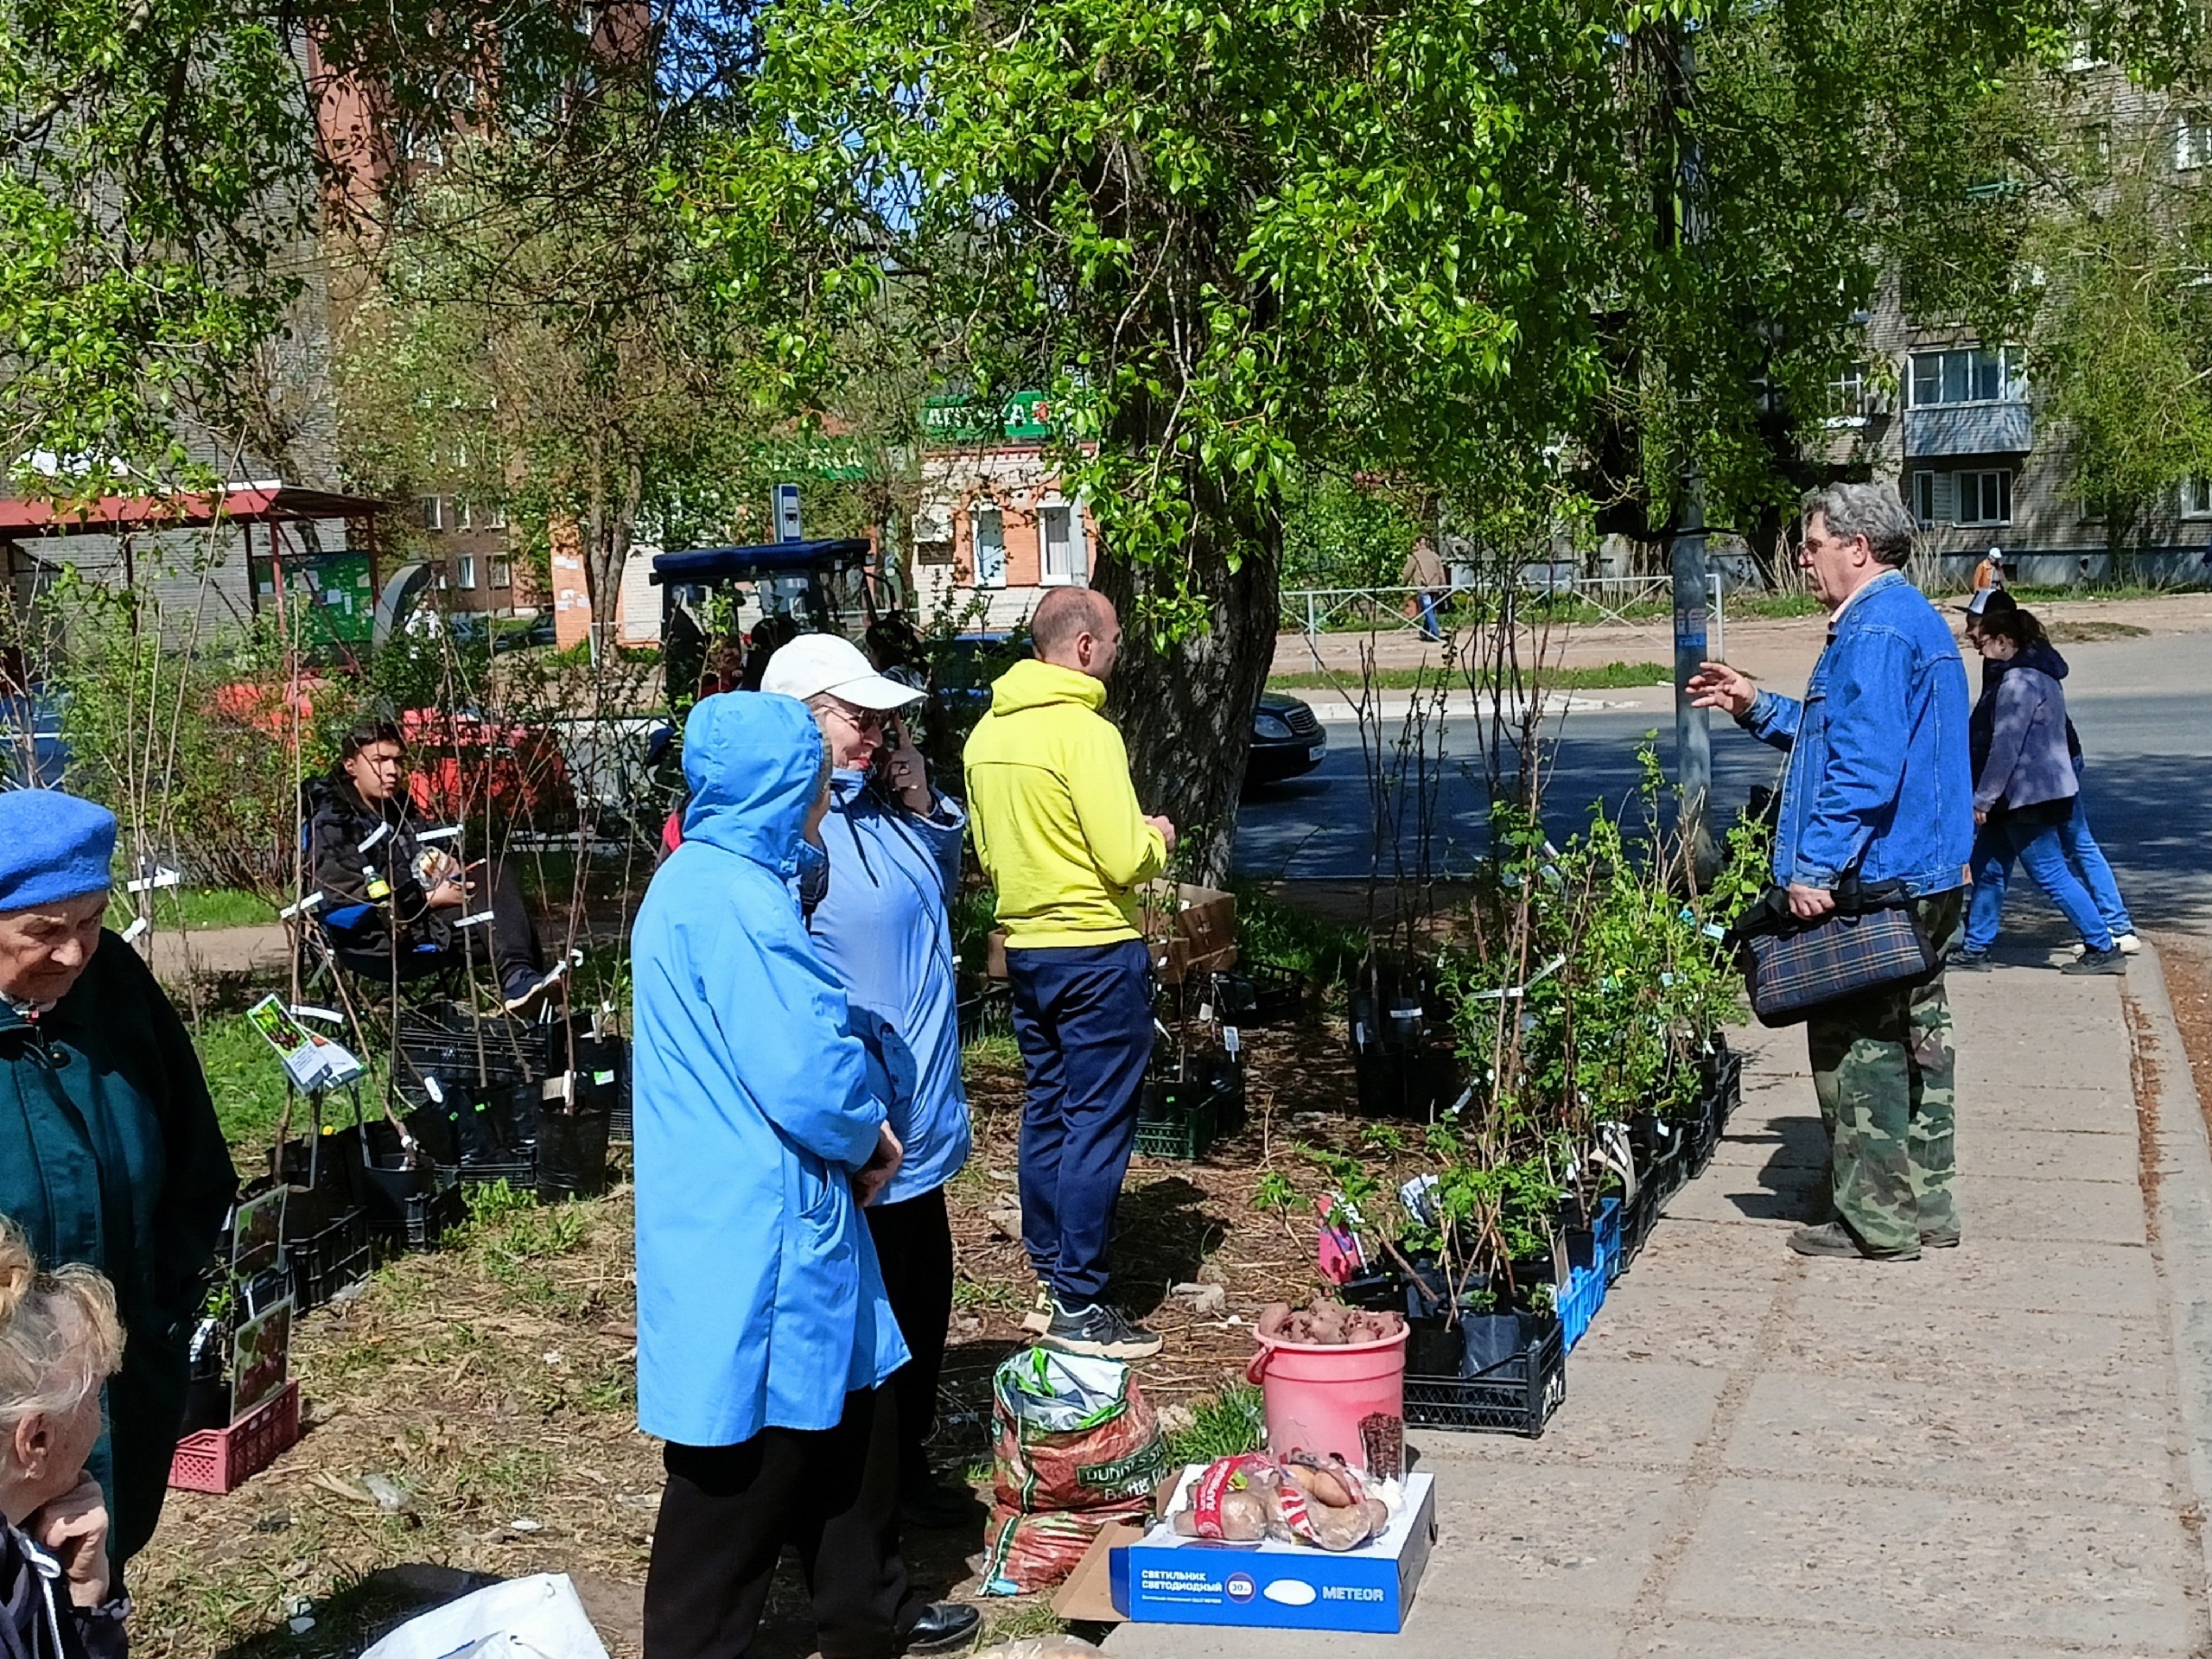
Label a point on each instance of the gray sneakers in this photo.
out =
(2113, 961)
(1101, 1331)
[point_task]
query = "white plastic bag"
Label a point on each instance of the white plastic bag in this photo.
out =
(536, 1617)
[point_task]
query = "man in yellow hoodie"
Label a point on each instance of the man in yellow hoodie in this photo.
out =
(1060, 832)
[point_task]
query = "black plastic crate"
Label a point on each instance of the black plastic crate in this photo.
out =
(1253, 994)
(1516, 1397)
(1176, 1121)
(1415, 1083)
(326, 1260)
(440, 1041)
(423, 1220)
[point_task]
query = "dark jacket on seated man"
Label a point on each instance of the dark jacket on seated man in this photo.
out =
(370, 851)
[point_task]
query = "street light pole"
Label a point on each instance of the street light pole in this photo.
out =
(1693, 727)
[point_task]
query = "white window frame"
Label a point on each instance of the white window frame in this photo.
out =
(1078, 560)
(464, 571)
(464, 514)
(1849, 394)
(986, 526)
(495, 516)
(2011, 379)
(2192, 140)
(2194, 498)
(431, 510)
(499, 570)
(1982, 485)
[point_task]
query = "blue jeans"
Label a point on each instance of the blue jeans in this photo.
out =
(1430, 628)
(2042, 848)
(1083, 1016)
(1992, 870)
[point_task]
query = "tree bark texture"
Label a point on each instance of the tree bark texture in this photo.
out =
(1185, 707)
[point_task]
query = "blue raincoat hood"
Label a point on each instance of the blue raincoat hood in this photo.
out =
(753, 761)
(759, 1300)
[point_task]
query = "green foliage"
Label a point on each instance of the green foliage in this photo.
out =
(1337, 534)
(155, 191)
(1273, 934)
(1222, 1425)
(1275, 1191)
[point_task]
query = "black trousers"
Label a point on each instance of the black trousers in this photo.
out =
(913, 1243)
(514, 947)
(729, 1510)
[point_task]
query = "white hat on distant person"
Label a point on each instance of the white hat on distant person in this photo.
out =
(814, 664)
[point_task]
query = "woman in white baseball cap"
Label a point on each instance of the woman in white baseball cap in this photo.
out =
(885, 929)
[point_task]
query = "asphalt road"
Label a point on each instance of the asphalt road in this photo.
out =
(2143, 708)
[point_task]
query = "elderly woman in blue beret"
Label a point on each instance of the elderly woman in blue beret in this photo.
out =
(109, 1152)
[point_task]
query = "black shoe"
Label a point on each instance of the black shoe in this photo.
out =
(944, 1627)
(2113, 961)
(1099, 1330)
(933, 1506)
(1836, 1239)
(525, 989)
(1969, 961)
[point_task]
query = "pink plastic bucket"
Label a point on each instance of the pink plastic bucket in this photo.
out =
(1317, 1397)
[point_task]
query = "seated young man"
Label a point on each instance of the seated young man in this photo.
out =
(365, 847)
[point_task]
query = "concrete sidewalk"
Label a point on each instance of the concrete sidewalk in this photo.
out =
(1984, 1454)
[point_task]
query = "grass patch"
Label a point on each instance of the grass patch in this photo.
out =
(994, 1048)
(1277, 935)
(177, 908)
(1222, 1425)
(1592, 677)
(2066, 632)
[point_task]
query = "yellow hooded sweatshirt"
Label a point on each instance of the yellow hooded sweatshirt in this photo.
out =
(1055, 816)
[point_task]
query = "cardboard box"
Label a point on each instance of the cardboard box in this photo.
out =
(1193, 930)
(1163, 1578)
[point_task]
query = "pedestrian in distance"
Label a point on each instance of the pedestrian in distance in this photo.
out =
(764, 1334)
(1877, 787)
(59, 1343)
(111, 1155)
(1059, 833)
(1424, 572)
(2026, 791)
(883, 927)
(1993, 857)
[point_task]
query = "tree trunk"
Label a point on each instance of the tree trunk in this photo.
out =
(1185, 708)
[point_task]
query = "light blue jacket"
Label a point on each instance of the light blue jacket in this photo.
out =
(760, 1302)
(886, 931)
(1879, 775)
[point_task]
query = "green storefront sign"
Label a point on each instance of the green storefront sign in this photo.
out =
(1026, 417)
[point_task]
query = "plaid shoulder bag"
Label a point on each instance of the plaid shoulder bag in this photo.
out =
(1872, 938)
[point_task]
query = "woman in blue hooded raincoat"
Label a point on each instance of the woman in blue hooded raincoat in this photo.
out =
(763, 1330)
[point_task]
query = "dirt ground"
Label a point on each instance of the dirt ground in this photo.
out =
(493, 1383)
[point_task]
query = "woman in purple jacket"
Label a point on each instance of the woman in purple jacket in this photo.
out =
(2025, 792)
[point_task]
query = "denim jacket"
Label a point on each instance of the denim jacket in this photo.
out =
(1879, 776)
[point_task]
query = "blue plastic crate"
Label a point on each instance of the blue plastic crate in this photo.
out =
(1605, 1234)
(1577, 1302)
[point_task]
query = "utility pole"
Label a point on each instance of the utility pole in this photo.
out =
(1693, 725)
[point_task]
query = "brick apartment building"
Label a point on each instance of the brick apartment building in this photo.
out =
(993, 529)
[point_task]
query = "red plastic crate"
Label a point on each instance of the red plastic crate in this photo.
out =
(220, 1460)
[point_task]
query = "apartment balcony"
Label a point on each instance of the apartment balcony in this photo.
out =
(2005, 428)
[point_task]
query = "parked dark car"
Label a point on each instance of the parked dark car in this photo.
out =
(1288, 741)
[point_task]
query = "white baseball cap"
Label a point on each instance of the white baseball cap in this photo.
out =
(814, 664)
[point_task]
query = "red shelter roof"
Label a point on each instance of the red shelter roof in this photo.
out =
(266, 503)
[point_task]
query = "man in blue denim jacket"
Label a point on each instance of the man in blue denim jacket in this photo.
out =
(1879, 784)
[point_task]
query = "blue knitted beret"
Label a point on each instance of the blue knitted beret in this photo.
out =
(53, 847)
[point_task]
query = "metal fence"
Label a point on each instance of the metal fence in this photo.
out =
(1313, 611)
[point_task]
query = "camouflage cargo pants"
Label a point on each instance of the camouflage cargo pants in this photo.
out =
(1882, 1067)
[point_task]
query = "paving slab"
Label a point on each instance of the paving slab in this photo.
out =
(1996, 1451)
(2027, 1566)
